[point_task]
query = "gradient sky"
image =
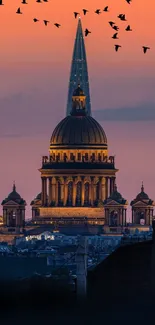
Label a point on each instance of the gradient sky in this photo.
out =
(34, 73)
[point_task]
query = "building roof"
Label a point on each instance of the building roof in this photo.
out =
(117, 197)
(78, 130)
(143, 197)
(121, 285)
(14, 196)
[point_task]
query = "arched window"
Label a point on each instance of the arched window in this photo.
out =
(70, 194)
(97, 191)
(78, 193)
(86, 194)
(114, 218)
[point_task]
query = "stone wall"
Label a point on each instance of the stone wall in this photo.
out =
(72, 212)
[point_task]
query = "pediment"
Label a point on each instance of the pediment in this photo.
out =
(10, 203)
(111, 203)
(140, 204)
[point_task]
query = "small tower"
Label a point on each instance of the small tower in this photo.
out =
(14, 211)
(36, 204)
(115, 209)
(142, 209)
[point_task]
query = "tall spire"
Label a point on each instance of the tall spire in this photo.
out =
(79, 71)
(14, 186)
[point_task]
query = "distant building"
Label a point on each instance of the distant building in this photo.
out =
(142, 209)
(14, 212)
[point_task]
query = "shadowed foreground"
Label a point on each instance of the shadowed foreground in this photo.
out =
(120, 288)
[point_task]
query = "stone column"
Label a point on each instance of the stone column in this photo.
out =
(49, 190)
(82, 197)
(111, 185)
(74, 192)
(65, 191)
(125, 216)
(44, 191)
(132, 216)
(103, 189)
(106, 187)
(100, 188)
(56, 192)
(92, 191)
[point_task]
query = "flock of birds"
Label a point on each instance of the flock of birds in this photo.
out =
(122, 17)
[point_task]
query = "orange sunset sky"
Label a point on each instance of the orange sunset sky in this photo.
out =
(34, 73)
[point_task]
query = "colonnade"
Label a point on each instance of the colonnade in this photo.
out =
(137, 215)
(61, 189)
(120, 217)
(14, 217)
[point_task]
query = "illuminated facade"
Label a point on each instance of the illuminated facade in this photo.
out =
(142, 209)
(78, 175)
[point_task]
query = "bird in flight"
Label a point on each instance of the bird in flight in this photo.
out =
(106, 9)
(128, 1)
(87, 32)
(121, 17)
(57, 25)
(39, 1)
(145, 48)
(117, 47)
(115, 36)
(111, 23)
(18, 11)
(35, 20)
(1, 3)
(24, 2)
(46, 22)
(128, 29)
(76, 14)
(85, 11)
(97, 11)
(115, 27)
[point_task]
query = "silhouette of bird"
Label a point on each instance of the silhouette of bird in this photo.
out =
(35, 20)
(97, 11)
(115, 27)
(128, 1)
(24, 2)
(87, 32)
(128, 29)
(1, 3)
(115, 36)
(117, 47)
(46, 22)
(18, 11)
(106, 9)
(76, 13)
(111, 23)
(120, 15)
(57, 25)
(45, 0)
(145, 48)
(85, 11)
(123, 18)
(39, 1)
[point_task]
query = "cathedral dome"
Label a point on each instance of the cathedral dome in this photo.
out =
(78, 130)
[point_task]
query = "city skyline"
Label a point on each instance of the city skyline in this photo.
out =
(34, 92)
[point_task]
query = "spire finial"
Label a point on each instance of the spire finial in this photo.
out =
(142, 188)
(115, 187)
(14, 186)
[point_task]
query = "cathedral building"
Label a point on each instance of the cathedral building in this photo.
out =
(78, 175)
